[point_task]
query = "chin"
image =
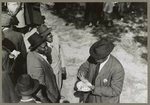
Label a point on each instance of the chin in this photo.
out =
(50, 41)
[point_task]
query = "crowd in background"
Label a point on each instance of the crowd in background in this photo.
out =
(32, 58)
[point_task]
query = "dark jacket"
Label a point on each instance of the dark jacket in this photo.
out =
(104, 92)
(17, 39)
(8, 91)
(33, 14)
(20, 62)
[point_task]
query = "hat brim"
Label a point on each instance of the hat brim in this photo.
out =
(32, 48)
(29, 92)
(46, 33)
(110, 47)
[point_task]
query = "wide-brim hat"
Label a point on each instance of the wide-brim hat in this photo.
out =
(101, 49)
(26, 85)
(35, 40)
(43, 30)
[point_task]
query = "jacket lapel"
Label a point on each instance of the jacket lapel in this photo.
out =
(106, 67)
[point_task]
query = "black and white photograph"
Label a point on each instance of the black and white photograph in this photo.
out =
(74, 52)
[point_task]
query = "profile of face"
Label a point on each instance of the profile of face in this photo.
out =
(98, 51)
(49, 38)
(101, 60)
(43, 48)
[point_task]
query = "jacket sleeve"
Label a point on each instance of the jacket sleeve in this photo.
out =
(34, 69)
(83, 70)
(115, 87)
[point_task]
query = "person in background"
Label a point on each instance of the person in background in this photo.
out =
(108, 10)
(27, 87)
(8, 60)
(33, 16)
(57, 55)
(38, 67)
(93, 12)
(16, 9)
(28, 15)
(102, 73)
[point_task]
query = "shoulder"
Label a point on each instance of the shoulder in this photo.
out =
(18, 34)
(13, 33)
(116, 64)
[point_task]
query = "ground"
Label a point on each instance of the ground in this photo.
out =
(130, 49)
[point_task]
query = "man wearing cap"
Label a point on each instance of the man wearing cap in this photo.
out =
(39, 68)
(56, 54)
(26, 87)
(102, 73)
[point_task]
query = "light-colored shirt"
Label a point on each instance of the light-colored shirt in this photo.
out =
(102, 64)
(44, 57)
(29, 100)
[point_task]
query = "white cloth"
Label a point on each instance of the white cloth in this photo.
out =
(102, 64)
(14, 54)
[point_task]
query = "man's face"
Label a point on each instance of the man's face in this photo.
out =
(43, 48)
(101, 60)
(49, 38)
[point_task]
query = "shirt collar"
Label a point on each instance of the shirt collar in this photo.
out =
(5, 28)
(27, 100)
(106, 59)
(44, 57)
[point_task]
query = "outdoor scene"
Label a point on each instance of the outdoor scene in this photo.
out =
(79, 25)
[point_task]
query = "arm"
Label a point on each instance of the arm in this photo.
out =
(36, 72)
(116, 85)
(83, 70)
(81, 73)
(34, 68)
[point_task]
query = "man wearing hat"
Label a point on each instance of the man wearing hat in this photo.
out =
(17, 39)
(56, 53)
(102, 73)
(39, 68)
